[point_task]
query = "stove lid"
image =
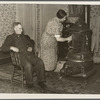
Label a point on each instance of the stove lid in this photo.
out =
(79, 26)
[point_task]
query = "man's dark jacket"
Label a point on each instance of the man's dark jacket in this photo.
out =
(22, 42)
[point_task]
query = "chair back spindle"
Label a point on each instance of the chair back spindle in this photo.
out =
(15, 59)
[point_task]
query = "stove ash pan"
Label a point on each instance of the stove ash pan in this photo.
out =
(80, 57)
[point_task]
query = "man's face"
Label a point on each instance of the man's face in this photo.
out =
(18, 29)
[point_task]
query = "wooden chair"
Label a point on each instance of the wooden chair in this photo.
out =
(18, 69)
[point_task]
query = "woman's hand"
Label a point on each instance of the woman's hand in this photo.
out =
(29, 49)
(15, 49)
(61, 39)
(69, 39)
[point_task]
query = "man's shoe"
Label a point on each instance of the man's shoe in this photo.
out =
(29, 85)
(42, 85)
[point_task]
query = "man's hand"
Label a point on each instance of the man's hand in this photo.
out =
(15, 49)
(29, 49)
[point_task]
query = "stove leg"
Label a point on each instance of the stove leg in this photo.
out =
(84, 78)
(85, 82)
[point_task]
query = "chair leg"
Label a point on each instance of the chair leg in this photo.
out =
(22, 77)
(85, 82)
(12, 75)
(84, 78)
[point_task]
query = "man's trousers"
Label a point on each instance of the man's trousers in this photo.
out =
(33, 63)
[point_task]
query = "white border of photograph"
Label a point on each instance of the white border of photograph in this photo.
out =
(42, 95)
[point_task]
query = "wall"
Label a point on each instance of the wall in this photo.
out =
(26, 14)
(95, 11)
(7, 17)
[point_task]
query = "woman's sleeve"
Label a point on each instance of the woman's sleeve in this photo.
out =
(53, 29)
(7, 43)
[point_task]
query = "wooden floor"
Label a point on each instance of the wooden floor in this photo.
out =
(5, 71)
(66, 85)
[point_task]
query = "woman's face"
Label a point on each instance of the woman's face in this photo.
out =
(63, 19)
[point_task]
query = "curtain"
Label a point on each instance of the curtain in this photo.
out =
(24, 15)
(95, 26)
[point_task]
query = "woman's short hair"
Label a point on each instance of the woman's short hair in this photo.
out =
(16, 23)
(61, 14)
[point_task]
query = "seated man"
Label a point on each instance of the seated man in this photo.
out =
(18, 42)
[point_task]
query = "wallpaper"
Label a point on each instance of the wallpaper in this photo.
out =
(38, 27)
(7, 17)
(94, 14)
(95, 11)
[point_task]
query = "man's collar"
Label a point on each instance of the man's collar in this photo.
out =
(17, 35)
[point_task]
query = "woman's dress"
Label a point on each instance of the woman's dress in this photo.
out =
(49, 44)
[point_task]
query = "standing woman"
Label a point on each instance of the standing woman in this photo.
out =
(51, 35)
